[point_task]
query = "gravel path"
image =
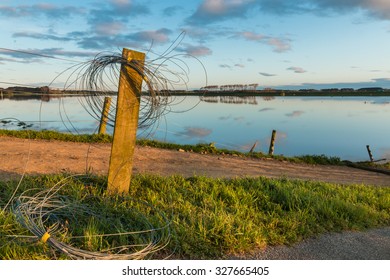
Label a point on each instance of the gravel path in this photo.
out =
(368, 245)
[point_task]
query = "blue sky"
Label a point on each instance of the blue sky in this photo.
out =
(275, 43)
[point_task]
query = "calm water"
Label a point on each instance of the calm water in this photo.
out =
(334, 126)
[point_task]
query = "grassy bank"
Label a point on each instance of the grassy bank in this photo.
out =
(202, 218)
(54, 135)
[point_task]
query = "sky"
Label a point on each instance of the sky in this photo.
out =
(275, 43)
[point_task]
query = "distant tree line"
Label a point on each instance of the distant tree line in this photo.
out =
(366, 89)
(253, 87)
(234, 87)
(18, 89)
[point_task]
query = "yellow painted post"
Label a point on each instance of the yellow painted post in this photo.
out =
(272, 143)
(104, 118)
(126, 123)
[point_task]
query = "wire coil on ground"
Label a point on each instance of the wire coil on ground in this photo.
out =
(52, 216)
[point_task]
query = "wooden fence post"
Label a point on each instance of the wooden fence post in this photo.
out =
(253, 147)
(104, 118)
(272, 143)
(369, 153)
(126, 123)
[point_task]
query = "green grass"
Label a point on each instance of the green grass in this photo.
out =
(53, 135)
(385, 166)
(209, 218)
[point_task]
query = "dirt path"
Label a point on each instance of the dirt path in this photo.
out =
(49, 157)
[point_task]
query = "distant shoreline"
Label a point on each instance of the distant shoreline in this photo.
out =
(275, 93)
(34, 93)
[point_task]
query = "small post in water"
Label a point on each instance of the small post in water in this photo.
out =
(272, 143)
(104, 118)
(253, 147)
(369, 153)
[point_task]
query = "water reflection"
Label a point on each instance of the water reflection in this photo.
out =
(21, 97)
(295, 114)
(384, 154)
(225, 118)
(195, 132)
(268, 98)
(266, 109)
(209, 99)
(381, 102)
(230, 99)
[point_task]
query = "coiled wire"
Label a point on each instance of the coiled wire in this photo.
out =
(50, 214)
(98, 78)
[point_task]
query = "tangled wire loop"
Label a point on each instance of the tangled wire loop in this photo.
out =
(100, 77)
(54, 217)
